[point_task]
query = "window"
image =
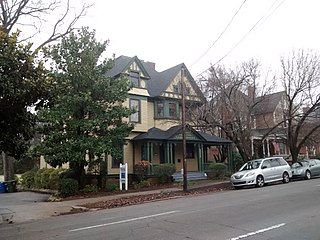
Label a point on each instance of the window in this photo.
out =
(135, 78)
(283, 162)
(266, 164)
(189, 151)
(116, 160)
(135, 105)
(172, 109)
(275, 162)
(160, 109)
(176, 88)
(166, 109)
(188, 90)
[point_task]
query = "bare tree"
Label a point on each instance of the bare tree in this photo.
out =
(33, 14)
(29, 17)
(301, 81)
(231, 98)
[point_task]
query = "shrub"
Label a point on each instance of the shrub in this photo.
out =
(141, 169)
(54, 178)
(42, 177)
(90, 188)
(237, 161)
(142, 184)
(67, 187)
(218, 169)
(27, 179)
(68, 173)
(163, 172)
(111, 185)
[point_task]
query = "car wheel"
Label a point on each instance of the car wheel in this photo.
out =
(285, 177)
(260, 181)
(308, 175)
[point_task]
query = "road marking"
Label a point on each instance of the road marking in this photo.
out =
(259, 231)
(123, 221)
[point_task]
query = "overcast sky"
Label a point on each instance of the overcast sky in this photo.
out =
(169, 32)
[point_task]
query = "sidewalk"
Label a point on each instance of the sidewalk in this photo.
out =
(28, 206)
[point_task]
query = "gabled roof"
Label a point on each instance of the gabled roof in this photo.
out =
(268, 103)
(172, 134)
(158, 81)
(161, 81)
(122, 63)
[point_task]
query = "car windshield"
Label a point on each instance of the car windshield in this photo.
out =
(254, 164)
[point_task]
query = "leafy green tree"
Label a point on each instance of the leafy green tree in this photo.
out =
(86, 118)
(31, 17)
(23, 84)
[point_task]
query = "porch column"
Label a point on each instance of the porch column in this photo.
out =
(167, 160)
(151, 152)
(268, 147)
(252, 147)
(170, 152)
(200, 157)
(263, 148)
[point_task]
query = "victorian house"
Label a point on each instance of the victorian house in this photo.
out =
(157, 135)
(268, 126)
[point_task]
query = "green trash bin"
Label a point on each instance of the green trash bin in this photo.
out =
(11, 186)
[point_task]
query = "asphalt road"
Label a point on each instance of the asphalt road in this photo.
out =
(281, 212)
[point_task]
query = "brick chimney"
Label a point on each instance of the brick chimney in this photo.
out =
(152, 64)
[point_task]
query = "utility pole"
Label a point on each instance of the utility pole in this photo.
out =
(184, 142)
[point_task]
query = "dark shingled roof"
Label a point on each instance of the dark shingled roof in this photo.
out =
(268, 103)
(156, 134)
(158, 81)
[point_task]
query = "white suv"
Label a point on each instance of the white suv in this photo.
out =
(260, 171)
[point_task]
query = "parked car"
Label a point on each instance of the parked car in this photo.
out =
(306, 168)
(261, 171)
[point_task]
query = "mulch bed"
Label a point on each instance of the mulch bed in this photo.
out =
(139, 199)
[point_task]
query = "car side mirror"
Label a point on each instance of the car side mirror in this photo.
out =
(264, 167)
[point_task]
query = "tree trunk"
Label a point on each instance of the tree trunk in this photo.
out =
(294, 153)
(8, 170)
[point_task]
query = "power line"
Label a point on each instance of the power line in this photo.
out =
(224, 30)
(254, 27)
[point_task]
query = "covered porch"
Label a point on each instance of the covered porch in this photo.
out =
(158, 147)
(266, 143)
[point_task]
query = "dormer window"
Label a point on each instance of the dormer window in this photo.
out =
(134, 78)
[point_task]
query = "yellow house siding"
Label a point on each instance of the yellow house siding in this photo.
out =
(139, 92)
(141, 126)
(192, 164)
(150, 115)
(165, 124)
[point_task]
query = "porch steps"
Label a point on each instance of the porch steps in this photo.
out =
(190, 176)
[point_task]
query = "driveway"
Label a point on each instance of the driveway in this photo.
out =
(20, 204)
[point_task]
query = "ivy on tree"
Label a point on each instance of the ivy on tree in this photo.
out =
(85, 120)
